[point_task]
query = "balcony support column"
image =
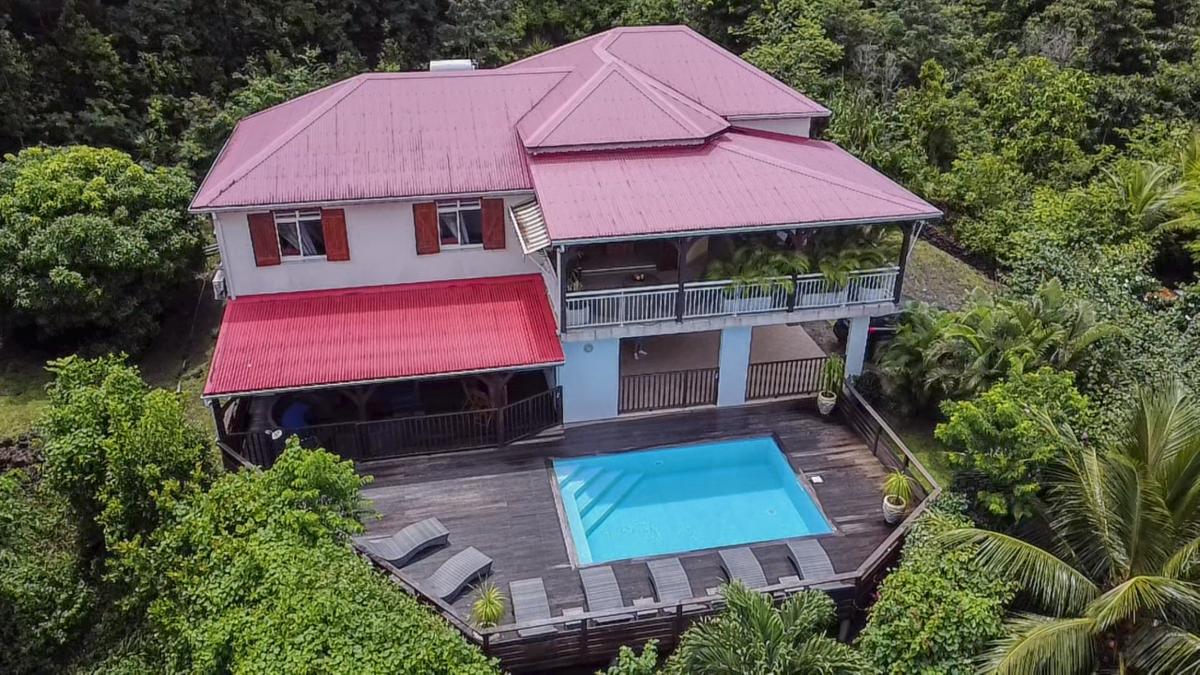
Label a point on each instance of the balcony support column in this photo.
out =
(905, 250)
(734, 362)
(566, 259)
(682, 246)
(856, 345)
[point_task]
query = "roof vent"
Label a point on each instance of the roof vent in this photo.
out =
(451, 64)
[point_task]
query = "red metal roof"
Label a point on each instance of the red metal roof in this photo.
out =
(308, 339)
(739, 179)
(381, 135)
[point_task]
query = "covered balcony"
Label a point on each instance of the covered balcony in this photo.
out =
(729, 275)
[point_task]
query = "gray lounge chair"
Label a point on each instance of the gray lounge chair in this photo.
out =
(671, 582)
(403, 546)
(448, 581)
(529, 603)
(741, 565)
(810, 559)
(602, 593)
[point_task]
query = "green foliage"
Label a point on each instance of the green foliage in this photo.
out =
(833, 374)
(791, 43)
(632, 663)
(120, 453)
(45, 603)
(937, 610)
(1112, 566)
(999, 442)
(91, 243)
(897, 484)
(751, 636)
(940, 355)
(488, 607)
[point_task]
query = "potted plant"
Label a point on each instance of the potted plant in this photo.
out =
(580, 315)
(897, 494)
(831, 383)
(754, 271)
(488, 608)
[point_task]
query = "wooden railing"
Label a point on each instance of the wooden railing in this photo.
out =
(414, 435)
(647, 304)
(671, 389)
(882, 441)
(794, 377)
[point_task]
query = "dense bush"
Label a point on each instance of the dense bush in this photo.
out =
(938, 610)
(91, 243)
(44, 601)
(999, 441)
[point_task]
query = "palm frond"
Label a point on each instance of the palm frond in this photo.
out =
(1057, 586)
(1145, 596)
(1163, 649)
(1040, 644)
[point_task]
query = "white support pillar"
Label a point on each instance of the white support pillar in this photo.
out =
(590, 378)
(856, 345)
(734, 361)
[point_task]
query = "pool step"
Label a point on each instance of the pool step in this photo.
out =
(601, 507)
(595, 489)
(572, 483)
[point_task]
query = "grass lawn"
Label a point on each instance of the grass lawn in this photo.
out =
(917, 434)
(177, 360)
(937, 277)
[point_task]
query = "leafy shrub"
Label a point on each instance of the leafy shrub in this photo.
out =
(120, 453)
(999, 435)
(254, 575)
(44, 601)
(630, 662)
(938, 609)
(91, 243)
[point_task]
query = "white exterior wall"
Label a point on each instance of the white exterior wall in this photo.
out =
(383, 250)
(792, 126)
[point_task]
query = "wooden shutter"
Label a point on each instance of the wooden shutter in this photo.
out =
(425, 220)
(337, 245)
(264, 239)
(493, 223)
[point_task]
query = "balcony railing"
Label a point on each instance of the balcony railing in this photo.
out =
(647, 304)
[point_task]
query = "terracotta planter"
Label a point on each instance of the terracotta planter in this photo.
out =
(826, 400)
(894, 509)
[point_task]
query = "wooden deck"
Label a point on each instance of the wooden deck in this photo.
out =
(502, 503)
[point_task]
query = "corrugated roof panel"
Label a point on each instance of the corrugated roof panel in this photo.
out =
(531, 226)
(315, 338)
(740, 179)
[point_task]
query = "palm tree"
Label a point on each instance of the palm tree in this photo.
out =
(1144, 191)
(1185, 199)
(752, 636)
(1116, 576)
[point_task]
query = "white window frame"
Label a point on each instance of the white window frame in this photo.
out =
(293, 218)
(457, 206)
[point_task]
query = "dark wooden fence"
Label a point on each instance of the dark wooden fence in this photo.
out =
(415, 435)
(794, 377)
(671, 389)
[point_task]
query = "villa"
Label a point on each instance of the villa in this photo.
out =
(485, 284)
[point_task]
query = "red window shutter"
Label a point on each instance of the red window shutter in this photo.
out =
(264, 239)
(337, 245)
(493, 223)
(425, 220)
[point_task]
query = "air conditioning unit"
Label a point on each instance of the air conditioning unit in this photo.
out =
(218, 285)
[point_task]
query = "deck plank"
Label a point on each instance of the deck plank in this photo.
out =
(501, 501)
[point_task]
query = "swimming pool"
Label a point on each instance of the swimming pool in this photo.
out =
(673, 500)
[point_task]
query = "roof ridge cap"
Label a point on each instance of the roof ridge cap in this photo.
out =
(583, 93)
(293, 131)
(730, 145)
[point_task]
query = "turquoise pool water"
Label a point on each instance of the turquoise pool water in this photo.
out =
(673, 500)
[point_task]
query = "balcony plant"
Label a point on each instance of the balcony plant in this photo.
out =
(831, 382)
(897, 495)
(754, 270)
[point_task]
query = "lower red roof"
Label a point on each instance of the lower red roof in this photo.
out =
(308, 339)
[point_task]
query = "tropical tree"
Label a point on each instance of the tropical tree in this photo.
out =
(1115, 570)
(751, 635)
(1185, 200)
(1144, 191)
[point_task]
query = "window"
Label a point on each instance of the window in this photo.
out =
(460, 223)
(300, 234)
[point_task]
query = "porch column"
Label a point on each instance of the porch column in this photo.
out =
(856, 345)
(734, 360)
(682, 246)
(905, 249)
(590, 379)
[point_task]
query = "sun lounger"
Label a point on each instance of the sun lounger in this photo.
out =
(602, 593)
(810, 559)
(671, 582)
(529, 603)
(403, 546)
(741, 565)
(449, 580)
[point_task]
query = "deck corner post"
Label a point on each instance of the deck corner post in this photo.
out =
(905, 246)
(682, 246)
